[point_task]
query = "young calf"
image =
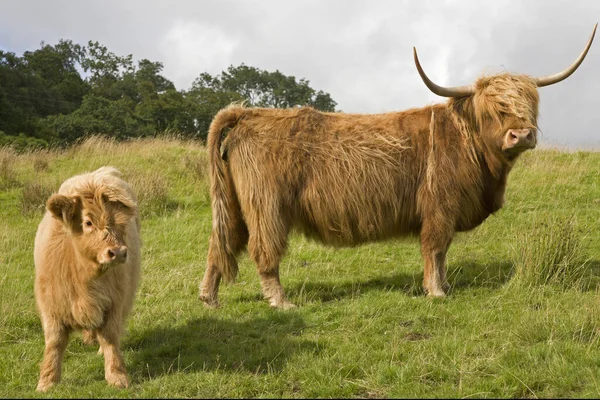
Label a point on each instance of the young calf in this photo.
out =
(87, 267)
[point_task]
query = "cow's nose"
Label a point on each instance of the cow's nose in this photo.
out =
(519, 137)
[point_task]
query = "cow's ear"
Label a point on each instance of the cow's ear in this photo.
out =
(65, 209)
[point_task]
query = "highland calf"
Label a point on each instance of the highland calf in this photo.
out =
(87, 267)
(347, 179)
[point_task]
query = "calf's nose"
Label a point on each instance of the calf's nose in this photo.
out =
(116, 254)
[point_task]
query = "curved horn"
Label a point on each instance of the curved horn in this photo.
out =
(457, 91)
(564, 74)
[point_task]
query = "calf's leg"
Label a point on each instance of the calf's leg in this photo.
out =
(56, 336)
(109, 338)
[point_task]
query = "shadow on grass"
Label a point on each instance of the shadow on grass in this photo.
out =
(324, 292)
(331, 291)
(258, 346)
(472, 274)
(461, 276)
(465, 275)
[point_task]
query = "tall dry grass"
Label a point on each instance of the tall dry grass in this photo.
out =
(148, 165)
(139, 160)
(41, 162)
(550, 253)
(34, 197)
(8, 176)
(151, 189)
(197, 165)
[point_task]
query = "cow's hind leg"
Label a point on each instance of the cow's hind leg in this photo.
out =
(267, 244)
(273, 291)
(209, 288)
(435, 241)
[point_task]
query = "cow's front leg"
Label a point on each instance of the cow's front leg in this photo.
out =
(435, 241)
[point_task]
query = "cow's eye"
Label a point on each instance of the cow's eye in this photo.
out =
(88, 223)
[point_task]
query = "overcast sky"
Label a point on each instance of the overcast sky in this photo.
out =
(359, 51)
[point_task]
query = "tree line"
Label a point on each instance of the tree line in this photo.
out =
(55, 95)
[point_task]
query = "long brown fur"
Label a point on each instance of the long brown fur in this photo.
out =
(74, 290)
(348, 179)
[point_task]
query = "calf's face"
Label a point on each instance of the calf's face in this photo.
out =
(97, 226)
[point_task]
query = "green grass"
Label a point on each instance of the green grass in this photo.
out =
(363, 327)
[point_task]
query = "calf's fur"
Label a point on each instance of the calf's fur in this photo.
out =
(92, 218)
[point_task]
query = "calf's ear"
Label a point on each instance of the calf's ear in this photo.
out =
(65, 209)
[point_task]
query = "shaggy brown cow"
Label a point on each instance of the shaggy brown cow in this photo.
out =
(346, 179)
(87, 266)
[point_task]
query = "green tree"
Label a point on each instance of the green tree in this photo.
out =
(57, 67)
(273, 89)
(38, 84)
(63, 92)
(97, 115)
(160, 105)
(124, 100)
(206, 97)
(110, 76)
(257, 87)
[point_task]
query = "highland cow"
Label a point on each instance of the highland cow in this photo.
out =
(347, 179)
(87, 267)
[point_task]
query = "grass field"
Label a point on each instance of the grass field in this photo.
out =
(522, 318)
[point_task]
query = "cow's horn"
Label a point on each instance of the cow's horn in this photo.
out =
(564, 74)
(458, 91)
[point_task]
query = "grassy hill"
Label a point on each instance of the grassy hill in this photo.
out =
(522, 318)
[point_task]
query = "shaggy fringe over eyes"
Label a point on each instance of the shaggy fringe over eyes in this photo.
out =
(96, 194)
(506, 95)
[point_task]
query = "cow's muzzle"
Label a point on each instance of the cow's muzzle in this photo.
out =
(519, 139)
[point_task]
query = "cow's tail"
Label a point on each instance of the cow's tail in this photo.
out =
(226, 213)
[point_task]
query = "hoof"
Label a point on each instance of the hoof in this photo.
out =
(118, 380)
(43, 386)
(209, 302)
(283, 305)
(438, 293)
